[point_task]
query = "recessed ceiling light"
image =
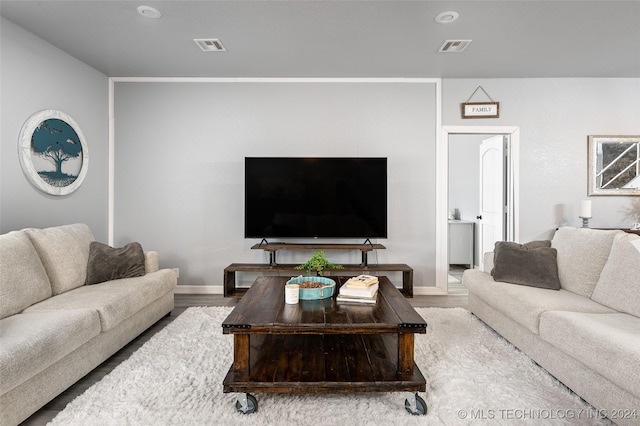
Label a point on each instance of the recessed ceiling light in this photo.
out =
(447, 17)
(149, 12)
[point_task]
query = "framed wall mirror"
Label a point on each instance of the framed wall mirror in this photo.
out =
(614, 165)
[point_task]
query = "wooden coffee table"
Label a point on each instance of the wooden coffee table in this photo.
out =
(323, 345)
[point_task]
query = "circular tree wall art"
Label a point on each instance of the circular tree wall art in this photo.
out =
(53, 152)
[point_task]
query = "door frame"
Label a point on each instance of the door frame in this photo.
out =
(442, 190)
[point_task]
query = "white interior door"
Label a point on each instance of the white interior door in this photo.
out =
(491, 220)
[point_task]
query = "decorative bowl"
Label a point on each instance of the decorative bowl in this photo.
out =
(327, 289)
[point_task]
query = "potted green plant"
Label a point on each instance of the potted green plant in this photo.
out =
(318, 262)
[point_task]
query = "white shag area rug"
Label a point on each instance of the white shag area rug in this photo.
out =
(473, 377)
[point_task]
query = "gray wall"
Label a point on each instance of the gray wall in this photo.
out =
(555, 117)
(179, 150)
(37, 76)
(179, 158)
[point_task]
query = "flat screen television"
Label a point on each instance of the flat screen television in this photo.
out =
(302, 197)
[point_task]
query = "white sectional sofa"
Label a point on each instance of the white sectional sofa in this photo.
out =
(586, 333)
(54, 329)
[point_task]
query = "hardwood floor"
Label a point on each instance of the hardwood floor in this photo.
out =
(456, 298)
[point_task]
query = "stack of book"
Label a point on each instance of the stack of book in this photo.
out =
(360, 289)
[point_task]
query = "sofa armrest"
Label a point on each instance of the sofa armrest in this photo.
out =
(151, 261)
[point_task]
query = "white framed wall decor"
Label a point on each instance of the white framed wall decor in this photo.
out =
(53, 152)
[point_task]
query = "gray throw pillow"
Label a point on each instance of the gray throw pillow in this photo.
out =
(107, 263)
(532, 264)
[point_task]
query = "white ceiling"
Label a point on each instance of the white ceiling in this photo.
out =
(522, 38)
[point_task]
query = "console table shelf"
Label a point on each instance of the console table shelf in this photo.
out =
(230, 289)
(273, 267)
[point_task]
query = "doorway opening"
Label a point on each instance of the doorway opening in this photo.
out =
(486, 209)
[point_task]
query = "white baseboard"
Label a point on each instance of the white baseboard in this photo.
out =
(199, 289)
(217, 289)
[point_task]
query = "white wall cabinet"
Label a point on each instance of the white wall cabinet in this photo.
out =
(461, 242)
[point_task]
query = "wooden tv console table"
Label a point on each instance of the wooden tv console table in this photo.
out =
(230, 289)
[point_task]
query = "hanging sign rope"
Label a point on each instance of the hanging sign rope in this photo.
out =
(480, 109)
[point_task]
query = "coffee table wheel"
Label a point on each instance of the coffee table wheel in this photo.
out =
(247, 404)
(415, 405)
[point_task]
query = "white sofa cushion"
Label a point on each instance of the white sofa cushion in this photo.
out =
(23, 280)
(619, 283)
(33, 342)
(64, 252)
(114, 300)
(525, 304)
(606, 343)
(582, 253)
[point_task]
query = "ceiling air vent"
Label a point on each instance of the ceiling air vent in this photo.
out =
(454, 46)
(210, 44)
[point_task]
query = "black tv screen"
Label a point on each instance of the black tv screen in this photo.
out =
(289, 197)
